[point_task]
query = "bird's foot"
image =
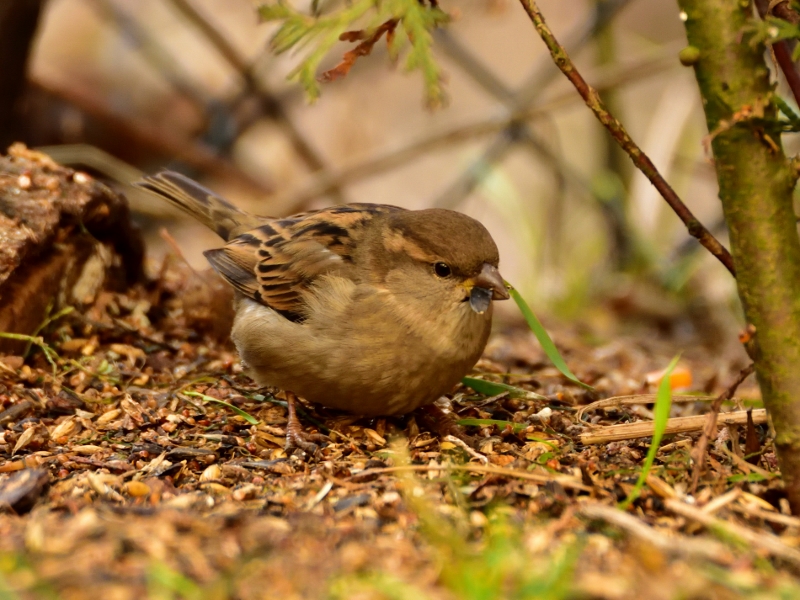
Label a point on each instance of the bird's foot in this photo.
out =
(444, 424)
(296, 437)
(301, 440)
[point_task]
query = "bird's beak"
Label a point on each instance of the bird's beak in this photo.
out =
(487, 286)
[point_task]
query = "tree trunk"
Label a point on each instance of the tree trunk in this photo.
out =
(755, 186)
(18, 22)
(64, 238)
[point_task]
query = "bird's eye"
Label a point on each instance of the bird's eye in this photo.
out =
(441, 269)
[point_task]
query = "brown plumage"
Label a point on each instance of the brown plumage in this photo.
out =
(368, 308)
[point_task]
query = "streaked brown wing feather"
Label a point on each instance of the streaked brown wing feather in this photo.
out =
(276, 262)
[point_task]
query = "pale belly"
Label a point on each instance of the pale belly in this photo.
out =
(370, 365)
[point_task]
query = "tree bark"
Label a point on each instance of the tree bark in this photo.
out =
(755, 186)
(64, 238)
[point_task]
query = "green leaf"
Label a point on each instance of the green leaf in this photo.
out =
(288, 35)
(322, 34)
(396, 45)
(541, 334)
(164, 582)
(246, 416)
(417, 22)
(515, 427)
(794, 119)
(490, 388)
(538, 437)
(749, 478)
(772, 30)
(660, 418)
(273, 12)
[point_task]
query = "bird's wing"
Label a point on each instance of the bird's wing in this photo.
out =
(275, 263)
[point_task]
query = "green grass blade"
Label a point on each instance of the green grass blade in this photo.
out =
(661, 415)
(515, 427)
(794, 119)
(50, 354)
(541, 334)
(245, 415)
(166, 583)
(490, 388)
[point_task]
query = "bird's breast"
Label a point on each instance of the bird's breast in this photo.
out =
(360, 350)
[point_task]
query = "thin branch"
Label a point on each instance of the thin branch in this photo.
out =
(615, 128)
(784, 60)
(516, 131)
(538, 477)
(674, 544)
(725, 529)
(133, 131)
(140, 40)
(253, 85)
(616, 401)
(520, 133)
(783, 53)
(604, 12)
(18, 25)
(326, 181)
(220, 43)
(699, 451)
(783, 10)
(475, 173)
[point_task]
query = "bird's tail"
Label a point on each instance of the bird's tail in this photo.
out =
(211, 210)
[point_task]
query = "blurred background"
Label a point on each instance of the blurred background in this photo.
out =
(120, 87)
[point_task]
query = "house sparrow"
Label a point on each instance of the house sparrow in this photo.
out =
(367, 308)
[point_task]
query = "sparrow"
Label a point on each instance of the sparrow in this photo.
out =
(367, 308)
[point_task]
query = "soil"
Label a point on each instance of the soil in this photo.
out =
(138, 460)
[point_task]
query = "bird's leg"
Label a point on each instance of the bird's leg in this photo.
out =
(295, 436)
(444, 424)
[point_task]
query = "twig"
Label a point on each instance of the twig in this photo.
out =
(131, 131)
(463, 445)
(783, 10)
(765, 541)
(699, 451)
(269, 102)
(718, 503)
(468, 62)
(617, 401)
(140, 40)
(628, 431)
(745, 466)
(760, 513)
(603, 12)
(783, 54)
(476, 172)
(680, 545)
(516, 131)
(618, 132)
(327, 181)
(567, 482)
